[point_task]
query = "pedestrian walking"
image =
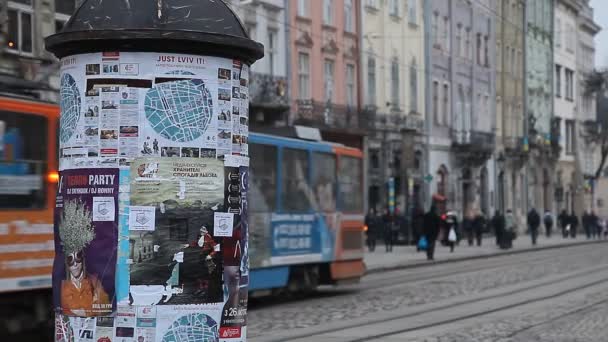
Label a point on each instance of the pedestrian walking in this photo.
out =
(573, 221)
(548, 221)
(564, 220)
(533, 224)
(509, 233)
(596, 230)
(432, 223)
(467, 226)
(417, 225)
(371, 221)
(586, 221)
(388, 222)
(498, 224)
(479, 223)
(451, 225)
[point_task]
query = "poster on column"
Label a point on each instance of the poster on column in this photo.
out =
(178, 261)
(236, 268)
(85, 242)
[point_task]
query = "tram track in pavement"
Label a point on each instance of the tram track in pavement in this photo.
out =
(481, 313)
(436, 271)
(457, 267)
(397, 320)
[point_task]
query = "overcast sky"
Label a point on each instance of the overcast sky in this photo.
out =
(601, 39)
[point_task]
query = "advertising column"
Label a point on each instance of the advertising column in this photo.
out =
(151, 233)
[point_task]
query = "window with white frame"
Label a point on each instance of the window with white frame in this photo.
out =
(348, 16)
(513, 61)
(329, 80)
(271, 50)
(558, 33)
(479, 49)
(394, 8)
(436, 102)
(328, 12)
(303, 8)
(570, 143)
(413, 87)
(435, 29)
(371, 80)
(558, 80)
(412, 16)
(350, 85)
(446, 34)
(304, 75)
(20, 34)
(250, 28)
(446, 104)
(63, 11)
(370, 3)
(486, 55)
(569, 84)
(395, 83)
(468, 48)
(458, 43)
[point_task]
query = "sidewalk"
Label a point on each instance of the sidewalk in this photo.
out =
(407, 257)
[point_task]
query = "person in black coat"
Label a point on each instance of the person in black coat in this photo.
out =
(573, 225)
(479, 223)
(371, 221)
(432, 223)
(389, 221)
(498, 224)
(586, 220)
(533, 224)
(563, 220)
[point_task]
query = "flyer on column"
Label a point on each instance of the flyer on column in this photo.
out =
(86, 242)
(176, 259)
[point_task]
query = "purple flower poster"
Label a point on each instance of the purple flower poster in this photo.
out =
(86, 237)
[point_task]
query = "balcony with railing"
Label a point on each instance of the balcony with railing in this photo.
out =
(393, 121)
(328, 116)
(473, 147)
(268, 91)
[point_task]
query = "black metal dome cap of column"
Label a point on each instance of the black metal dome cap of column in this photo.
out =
(203, 27)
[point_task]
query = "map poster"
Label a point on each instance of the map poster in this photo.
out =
(180, 261)
(86, 236)
(188, 323)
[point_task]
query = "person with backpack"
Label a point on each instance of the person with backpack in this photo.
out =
(548, 221)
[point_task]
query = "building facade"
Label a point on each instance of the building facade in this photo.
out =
(510, 156)
(566, 87)
(460, 120)
(542, 129)
(266, 22)
(594, 194)
(25, 66)
(324, 55)
(392, 76)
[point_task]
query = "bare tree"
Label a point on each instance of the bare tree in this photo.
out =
(597, 132)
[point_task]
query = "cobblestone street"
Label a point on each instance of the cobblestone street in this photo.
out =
(504, 297)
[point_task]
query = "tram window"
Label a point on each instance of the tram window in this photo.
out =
(23, 161)
(263, 178)
(324, 181)
(350, 197)
(296, 194)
